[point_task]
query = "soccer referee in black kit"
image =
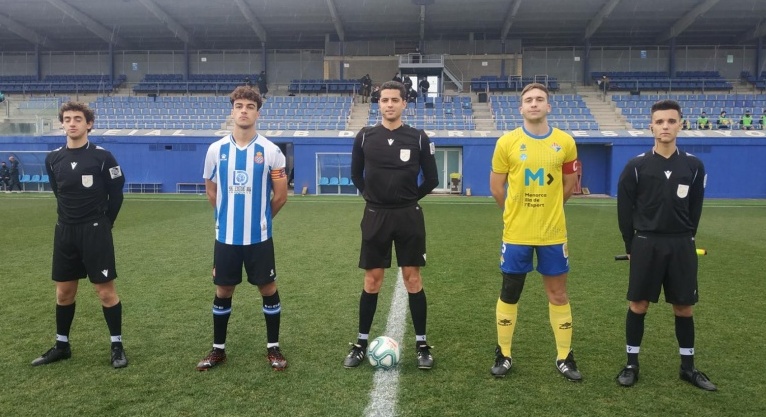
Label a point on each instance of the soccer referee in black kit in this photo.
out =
(386, 161)
(659, 204)
(87, 183)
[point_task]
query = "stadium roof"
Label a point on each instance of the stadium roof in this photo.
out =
(90, 25)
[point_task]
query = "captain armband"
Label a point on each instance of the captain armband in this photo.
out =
(277, 174)
(571, 167)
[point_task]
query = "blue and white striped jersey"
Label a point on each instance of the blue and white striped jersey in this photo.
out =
(244, 182)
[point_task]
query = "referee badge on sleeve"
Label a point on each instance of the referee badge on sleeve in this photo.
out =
(115, 172)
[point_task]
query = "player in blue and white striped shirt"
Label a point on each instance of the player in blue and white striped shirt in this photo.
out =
(241, 172)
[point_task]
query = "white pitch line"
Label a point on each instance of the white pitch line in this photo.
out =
(385, 385)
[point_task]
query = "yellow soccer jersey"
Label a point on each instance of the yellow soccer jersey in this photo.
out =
(534, 204)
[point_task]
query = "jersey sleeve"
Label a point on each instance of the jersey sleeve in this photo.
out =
(626, 201)
(357, 161)
(115, 181)
(697, 195)
(571, 151)
(500, 158)
(49, 170)
(427, 166)
(277, 163)
(211, 163)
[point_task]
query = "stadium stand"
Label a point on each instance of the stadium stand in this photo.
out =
(196, 83)
(758, 82)
(211, 112)
(324, 86)
(661, 81)
(568, 112)
(494, 83)
(637, 109)
(434, 113)
(55, 84)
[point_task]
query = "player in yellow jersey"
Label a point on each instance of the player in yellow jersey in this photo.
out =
(534, 172)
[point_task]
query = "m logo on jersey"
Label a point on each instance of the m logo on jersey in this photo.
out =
(74, 164)
(258, 158)
(240, 177)
(87, 181)
(390, 142)
(530, 176)
(667, 174)
(404, 155)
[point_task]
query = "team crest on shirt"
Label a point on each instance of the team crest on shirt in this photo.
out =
(87, 181)
(223, 157)
(556, 147)
(258, 158)
(683, 191)
(404, 155)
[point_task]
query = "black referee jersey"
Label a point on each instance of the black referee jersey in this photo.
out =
(660, 196)
(87, 183)
(385, 165)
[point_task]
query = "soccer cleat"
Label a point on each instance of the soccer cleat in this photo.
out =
(119, 360)
(276, 359)
(502, 365)
(355, 356)
(628, 376)
(215, 357)
(698, 379)
(425, 359)
(568, 368)
(53, 354)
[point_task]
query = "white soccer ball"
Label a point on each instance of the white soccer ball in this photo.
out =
(384, 352)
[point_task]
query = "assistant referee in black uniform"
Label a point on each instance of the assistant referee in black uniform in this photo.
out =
(659, 204)
(87, 183)
(386, 161)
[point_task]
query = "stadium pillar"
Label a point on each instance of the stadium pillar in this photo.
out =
(186, 61)
(586, 64)
(758, 51)
(672, 57)
(264, 56)
(342, 62)
(111, 61)
(502, 61)
(38, 67)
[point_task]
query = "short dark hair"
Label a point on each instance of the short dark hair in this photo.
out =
(90, 116)
(533, 86)
(245, 92)
(395, 85)
(666, 105)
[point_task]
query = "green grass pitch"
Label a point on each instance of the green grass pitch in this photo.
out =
(164, 256)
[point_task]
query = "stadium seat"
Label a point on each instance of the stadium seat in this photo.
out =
(324, 181)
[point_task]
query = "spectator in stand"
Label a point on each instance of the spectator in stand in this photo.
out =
(763, 120)
(723, 121)
(407, 82)
(424, 86)
(703, 122)
(397, 77)
(366, 83)
(685, 124)
(746, 122)
(603, 84)
(412, 95)
(375, 96)
(263, 84)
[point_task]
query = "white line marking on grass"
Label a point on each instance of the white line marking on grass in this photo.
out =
(385, 385)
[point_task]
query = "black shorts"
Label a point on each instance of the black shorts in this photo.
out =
(258, 260)
(85, 249)
(405, 227)
(668, 262)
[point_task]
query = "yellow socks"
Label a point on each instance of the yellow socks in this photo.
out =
(506, 323)
(561, 322)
